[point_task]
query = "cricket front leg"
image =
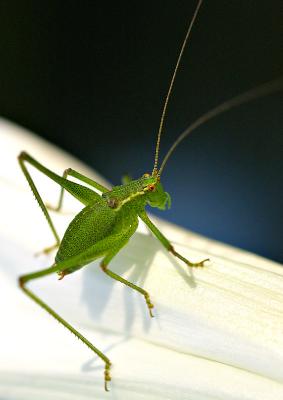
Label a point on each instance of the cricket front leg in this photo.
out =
(143, 215)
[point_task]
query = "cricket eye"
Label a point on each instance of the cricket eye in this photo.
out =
(113, 203)
(146, 175)
(151, 187)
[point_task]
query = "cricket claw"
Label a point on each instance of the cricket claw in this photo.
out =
(185, 260)
(61, 275)
(149, 304)
(107, 377)
(199, 264)
(106, 386)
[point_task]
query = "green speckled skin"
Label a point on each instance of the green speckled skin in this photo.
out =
(84, 230)
(103, 227)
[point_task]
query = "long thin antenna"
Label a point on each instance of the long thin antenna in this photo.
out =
(160, 130)
(255, 93)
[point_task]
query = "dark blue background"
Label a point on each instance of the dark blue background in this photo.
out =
(91, 77)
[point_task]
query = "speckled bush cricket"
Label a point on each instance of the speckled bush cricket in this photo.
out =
(107, 221)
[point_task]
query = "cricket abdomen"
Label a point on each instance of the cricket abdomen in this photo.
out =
(92, 224)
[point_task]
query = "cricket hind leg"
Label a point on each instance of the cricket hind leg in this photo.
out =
(22, 158)
(81, 177)
(55, 268)
(58, 208)
(104, 266)
(83, 194)
(66, 266)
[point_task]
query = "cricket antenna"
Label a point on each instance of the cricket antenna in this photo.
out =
(255, 93)
(160, 130)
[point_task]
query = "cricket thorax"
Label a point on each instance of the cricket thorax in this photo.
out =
(134, 192)
(137, 193)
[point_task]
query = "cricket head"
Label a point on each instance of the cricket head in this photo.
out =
(155, 194)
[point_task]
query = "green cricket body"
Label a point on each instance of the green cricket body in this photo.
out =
(113, 218)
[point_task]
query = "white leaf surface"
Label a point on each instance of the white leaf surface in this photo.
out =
(217, 331)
